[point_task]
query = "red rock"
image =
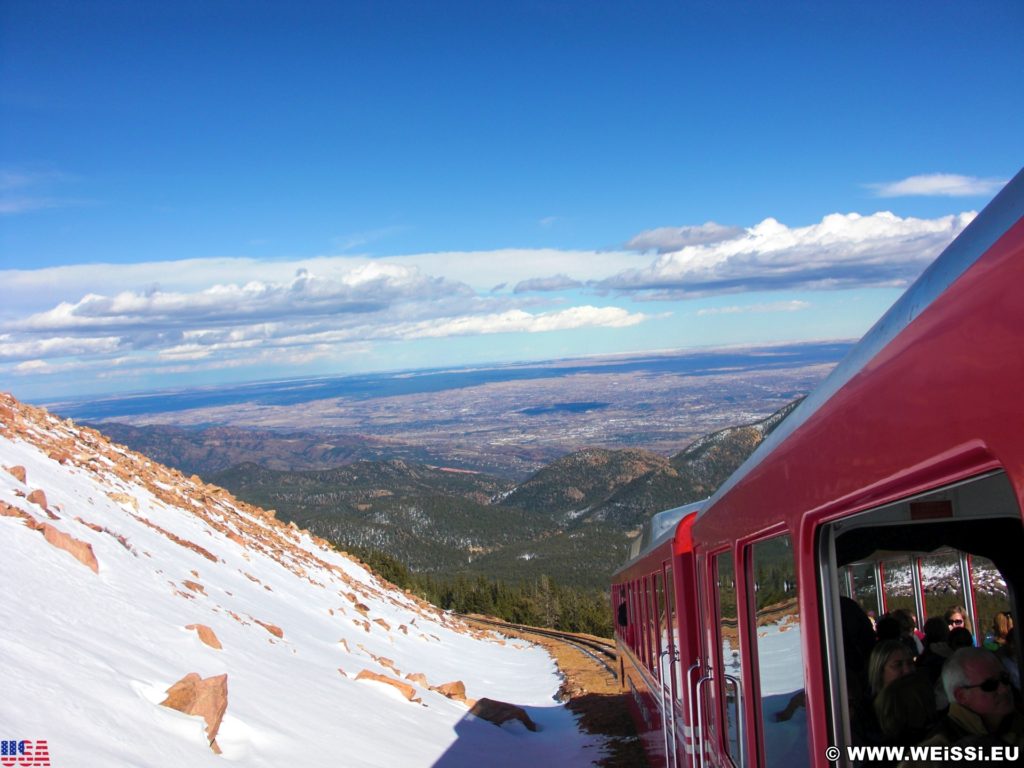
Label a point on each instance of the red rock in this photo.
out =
(499, 712)
(404, 688)
(18, 473)
(456, 690)
(80, 550)
(275, 631)
(419, 678)
(9, 511)
(207, 698)
(207, 635)
(38, 497)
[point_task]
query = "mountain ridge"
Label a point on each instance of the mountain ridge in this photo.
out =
(139, 591)
(572, 520)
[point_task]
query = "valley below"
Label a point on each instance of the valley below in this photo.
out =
(538, 477)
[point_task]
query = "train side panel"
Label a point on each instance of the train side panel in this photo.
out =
(911, 453)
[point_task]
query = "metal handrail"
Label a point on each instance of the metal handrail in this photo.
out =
(687, 745)
(740, 730)
(700, 716)
(667, 704)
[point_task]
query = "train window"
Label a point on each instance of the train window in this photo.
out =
(779, 653)
(730, 673)
(943, 582)
(898, 581)
(959, 545)
(990, 603)
(650, 627)
(658, 624)
(645, 621)
(673, 669)
(861, 585)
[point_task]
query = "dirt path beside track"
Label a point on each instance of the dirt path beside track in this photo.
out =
(594, 695)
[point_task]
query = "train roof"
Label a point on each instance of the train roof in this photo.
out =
(980, 235)
(660, 528)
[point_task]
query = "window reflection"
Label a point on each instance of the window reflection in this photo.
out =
(730, 676)
(779, 653)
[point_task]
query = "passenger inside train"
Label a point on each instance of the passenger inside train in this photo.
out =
(951, 560)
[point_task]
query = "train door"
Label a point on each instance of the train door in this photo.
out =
(669, 666)
(914, 553)
(719, 689)
(776, 655)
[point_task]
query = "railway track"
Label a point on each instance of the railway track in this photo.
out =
(591, 689)
(600, 650)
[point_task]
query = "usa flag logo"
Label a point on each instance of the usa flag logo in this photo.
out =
(24, 753)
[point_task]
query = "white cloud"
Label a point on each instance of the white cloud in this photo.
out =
(775, 306)
(664, 239)
(554, 283)
(518, 321)
(842, 251)
(134, 320)
(939, 184)
(368, 288)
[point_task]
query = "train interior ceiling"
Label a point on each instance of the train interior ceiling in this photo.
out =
(960, 546)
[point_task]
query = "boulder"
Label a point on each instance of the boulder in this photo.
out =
(207, 635)
(38, 497)
(207, 698)
(456, 690)
(78, 549)
(404, 688)
(500, 712)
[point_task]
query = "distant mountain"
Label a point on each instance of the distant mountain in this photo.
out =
(572, 520)
(214, 449)
(573, 485)
(432, 519)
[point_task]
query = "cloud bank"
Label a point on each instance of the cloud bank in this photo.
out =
(939, 184)
(664, 239)
(154, 319)
(842, 251)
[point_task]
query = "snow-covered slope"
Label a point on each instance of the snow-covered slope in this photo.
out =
(121, 577)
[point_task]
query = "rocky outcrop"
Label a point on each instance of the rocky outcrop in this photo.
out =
(207, 698)
(455, 690)
(404, 688)
(501, 712)
(207, 635)
(77, 548)
(272, 629)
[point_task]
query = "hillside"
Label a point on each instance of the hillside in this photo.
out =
(161, 622)
(572, 485)
(571, 521)
(431, 519)
(215, 449)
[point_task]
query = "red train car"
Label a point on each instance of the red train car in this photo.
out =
(899, 483)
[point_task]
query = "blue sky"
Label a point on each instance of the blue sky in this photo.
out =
(202, 192)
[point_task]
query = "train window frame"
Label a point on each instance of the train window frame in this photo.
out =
(756, 652)
(728, 736)
(982, 513)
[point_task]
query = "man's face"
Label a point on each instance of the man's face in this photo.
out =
(992, 705)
